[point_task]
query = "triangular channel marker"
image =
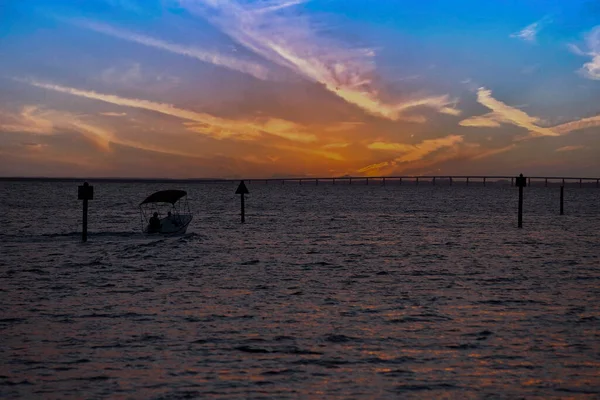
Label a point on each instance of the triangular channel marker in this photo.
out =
(242, 189)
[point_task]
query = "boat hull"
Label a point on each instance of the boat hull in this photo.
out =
(173, 225)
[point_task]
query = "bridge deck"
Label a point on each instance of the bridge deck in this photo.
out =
(433, 179)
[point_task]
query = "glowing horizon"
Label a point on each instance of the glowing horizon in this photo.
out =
(261, 89)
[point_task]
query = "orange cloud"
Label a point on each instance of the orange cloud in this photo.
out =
(207, 124)
(413, 152)
(373, 167)
(569, 148)
(33, 119)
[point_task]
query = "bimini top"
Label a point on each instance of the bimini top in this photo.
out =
(165, 196)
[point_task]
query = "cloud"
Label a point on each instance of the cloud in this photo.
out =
(373, 167)
(113, 114)
(33, 119)
(530, 32)
(493, 152)
(28, 120)
(591, 70)
(316, 152)
(203, 123)
(577, 125)
(133, 76)
(489, 120)
(414, 152)
(505, 114)
(286, 39)
(336, 145)
(232, 63)
(569, 148)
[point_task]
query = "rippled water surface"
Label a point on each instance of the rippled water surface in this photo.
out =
(326, 292)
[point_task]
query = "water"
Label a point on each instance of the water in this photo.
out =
(326, 292)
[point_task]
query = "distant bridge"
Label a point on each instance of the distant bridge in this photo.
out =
(479, 180)
(434, 179)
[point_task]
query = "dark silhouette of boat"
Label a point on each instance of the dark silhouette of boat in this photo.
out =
(172, 210)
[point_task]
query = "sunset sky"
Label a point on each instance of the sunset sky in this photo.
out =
(269, 88)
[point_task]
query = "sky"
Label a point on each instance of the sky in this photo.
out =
(299, 88)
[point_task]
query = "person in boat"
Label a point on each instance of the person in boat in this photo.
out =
(154, 223)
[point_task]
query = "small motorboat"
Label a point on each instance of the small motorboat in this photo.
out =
(166, 212)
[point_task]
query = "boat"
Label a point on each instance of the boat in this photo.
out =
(165, 212)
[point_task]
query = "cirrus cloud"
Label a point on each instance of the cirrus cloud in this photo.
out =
(288, 41)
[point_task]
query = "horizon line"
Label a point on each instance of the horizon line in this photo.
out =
(289, 178)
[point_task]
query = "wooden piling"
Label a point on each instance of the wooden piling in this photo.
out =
(562, 200)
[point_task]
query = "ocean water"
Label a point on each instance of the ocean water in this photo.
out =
(353, 292)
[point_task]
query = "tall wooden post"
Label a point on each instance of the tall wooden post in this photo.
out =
(85, 193)
(521, 182)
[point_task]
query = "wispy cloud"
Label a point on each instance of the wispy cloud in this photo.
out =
(417, 157)
(207, 56)
(569, 148)
(577, 125)
(288, 40)
(492, 152)
(34, 119)
(530, 32)
(202, 123)
(373, 167)
(342, 145)
(591, 70)
(113, 114)
(505, 114)
(315, 152)
(132, 75)
(489, 120)
(414, 152)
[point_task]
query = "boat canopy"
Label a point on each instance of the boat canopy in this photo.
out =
(165, 196)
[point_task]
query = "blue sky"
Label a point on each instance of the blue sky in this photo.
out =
(229, 88)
